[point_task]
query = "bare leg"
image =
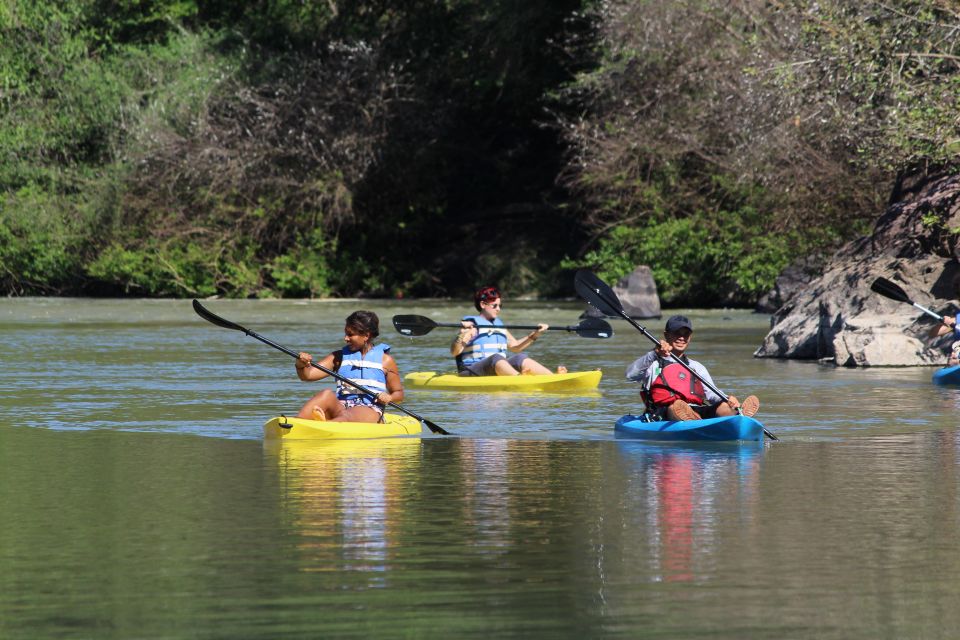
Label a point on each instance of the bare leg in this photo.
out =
(504, 368)
(724, 410)
(325, 402)
(531, 367)
(358, 414)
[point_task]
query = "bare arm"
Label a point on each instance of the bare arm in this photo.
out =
(308, 373)
(394, 383)
(467, 333)
(527, 341)
(946, 326)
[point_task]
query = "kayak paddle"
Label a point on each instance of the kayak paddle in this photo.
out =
(893, 291)
(599, 294)
(226, 324)
(422, 325)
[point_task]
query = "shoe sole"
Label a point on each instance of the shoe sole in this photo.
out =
(750, 406)
(684, 411)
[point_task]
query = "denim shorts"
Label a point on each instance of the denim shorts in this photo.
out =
(488, 366)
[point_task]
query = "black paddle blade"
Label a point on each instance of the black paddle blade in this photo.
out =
(413, 325)
(890, 290)
(594, 328)
(213, 318)
(596, 292)
(435, 427)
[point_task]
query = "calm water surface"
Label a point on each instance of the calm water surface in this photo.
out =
(138, 499)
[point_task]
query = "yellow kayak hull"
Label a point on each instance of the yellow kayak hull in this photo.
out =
(284, 428)
(578, 381)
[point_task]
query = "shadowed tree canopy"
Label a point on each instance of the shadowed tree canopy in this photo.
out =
(278, 147)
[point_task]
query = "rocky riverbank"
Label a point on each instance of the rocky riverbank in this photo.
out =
(836, 318)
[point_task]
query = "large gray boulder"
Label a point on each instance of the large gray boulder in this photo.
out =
(837, 318)
(637, 293)
(790, 281)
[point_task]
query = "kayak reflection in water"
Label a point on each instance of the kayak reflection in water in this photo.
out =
(369, 365)
(480, 348)
(670, 392)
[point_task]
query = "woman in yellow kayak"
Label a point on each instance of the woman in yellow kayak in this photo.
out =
(369, 365)
(480, 348)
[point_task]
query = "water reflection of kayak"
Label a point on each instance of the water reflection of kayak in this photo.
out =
(947, 375)
(310, 454)
(286, 428)
(575, 381)
(728, 428)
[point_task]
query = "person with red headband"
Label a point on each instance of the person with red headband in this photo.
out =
(481, 346)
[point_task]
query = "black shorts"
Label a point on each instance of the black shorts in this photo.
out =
(705, 411)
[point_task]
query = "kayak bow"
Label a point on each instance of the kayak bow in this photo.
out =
(947, 375)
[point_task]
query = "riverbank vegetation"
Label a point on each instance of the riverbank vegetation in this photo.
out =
(277, 148)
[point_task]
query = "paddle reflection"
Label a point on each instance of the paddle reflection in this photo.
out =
(344, 500)
(688, 491)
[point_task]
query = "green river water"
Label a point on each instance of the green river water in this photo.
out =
(139, 500)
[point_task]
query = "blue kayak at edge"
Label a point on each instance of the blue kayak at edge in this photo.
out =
(728, 428)
(947, 375)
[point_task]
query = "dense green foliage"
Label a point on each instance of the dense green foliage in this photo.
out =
(725, 137)
(282, 148)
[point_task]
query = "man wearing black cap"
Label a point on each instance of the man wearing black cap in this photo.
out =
(670, 392)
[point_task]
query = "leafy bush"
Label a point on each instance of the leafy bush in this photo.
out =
(40, 247)
(694, 262)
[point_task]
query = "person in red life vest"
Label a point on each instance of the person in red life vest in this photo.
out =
(482, 345)
(670, 391)
(360, 360)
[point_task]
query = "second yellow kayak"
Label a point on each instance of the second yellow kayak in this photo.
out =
(286, 428)
(578, 381)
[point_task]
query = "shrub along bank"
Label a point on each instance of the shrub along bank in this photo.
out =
(193, 148)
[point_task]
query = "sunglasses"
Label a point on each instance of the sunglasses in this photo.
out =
(494, 305)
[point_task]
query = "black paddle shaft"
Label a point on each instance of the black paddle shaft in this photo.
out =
(414, 325)
(891, 290)
(226, 324)
(599, 294)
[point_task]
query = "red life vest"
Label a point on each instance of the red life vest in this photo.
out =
(676, 383)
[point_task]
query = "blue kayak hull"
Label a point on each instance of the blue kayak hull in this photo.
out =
(947, 375)
(715, 429)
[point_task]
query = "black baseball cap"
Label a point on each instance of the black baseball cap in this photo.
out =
(675, 323)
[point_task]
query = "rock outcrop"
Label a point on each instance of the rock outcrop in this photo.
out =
(637, 293)
(837, 318)
(791, 281)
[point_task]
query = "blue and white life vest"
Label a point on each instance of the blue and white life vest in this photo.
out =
(366, 370)
(489, 341)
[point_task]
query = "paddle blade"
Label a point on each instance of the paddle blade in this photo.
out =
(890, 290)
(435, 427)
(213, 318)
(413, 325)
(594, 328)
(596, 292)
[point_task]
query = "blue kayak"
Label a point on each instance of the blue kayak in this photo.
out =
(728, 428)
(947, 375)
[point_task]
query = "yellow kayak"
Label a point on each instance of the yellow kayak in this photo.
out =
(579, 381)
(286, 428)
